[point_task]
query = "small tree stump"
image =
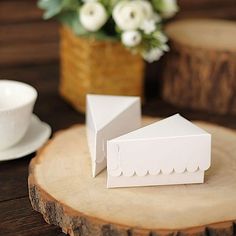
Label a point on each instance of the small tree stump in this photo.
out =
(62, 189)
(200, 70)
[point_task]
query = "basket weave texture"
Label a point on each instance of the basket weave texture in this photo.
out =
(97, 67)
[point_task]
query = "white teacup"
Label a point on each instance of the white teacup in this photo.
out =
(16, 106)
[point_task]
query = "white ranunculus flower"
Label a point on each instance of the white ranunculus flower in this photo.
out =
(131, 38)
(147, 8)
(93, 16)
(153, 55)
(168, 8)
(128, 15)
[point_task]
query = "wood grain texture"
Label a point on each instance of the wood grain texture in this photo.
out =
(206, 9)
(30, 32)
(224, 12)
(16, 11)
(25, 38)
(10, 188)
(17, 218)
(200, 70)
(62, 190)
(205, 4)
(28, 53)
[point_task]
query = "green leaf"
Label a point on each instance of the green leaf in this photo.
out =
(67, 17)
(71, 19)
(48, 4)
(43, 4)
(156, 4)
(51, 13)
(55, 7)
(70, 4)
(51, 7)
(78, 28)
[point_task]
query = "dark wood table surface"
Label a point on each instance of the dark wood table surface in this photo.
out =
(16, 214)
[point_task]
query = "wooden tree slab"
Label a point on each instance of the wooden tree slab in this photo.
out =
(200, 69)
(62, 190)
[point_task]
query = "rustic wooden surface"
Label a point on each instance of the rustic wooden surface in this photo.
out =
(63, 190)
(16, 214)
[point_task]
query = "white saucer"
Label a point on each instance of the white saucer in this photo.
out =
(37, 135)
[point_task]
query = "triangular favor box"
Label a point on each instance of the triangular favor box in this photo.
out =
(171, 151)
(108, 117)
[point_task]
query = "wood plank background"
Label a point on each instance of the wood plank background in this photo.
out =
(26, 39)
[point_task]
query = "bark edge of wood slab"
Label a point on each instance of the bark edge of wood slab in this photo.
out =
(77, 223)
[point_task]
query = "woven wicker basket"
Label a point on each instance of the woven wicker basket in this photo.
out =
(97, 67)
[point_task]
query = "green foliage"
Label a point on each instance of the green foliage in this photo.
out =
(68, 13)
(157, 4)
(53, 8)
(71, 19)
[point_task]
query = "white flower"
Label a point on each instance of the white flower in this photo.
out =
(132, 15)
(156, 17)
(131, 38)
(128, 15)
(148, 26)
(147, 8)
(93, 16)
(153, 55)
(168, 8)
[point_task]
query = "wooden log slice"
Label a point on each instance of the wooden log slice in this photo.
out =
(62, 189)
(200, 69)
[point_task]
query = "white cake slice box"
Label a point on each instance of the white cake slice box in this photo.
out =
(108, 117)
(170, 151)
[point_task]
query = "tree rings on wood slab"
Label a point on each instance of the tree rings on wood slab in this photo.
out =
(62, 189)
